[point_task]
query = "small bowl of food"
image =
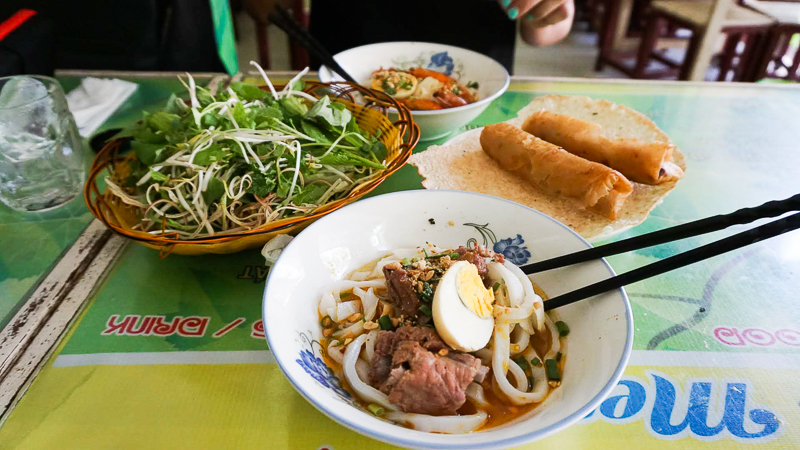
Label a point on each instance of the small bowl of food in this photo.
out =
(445, 87)
(406, 318)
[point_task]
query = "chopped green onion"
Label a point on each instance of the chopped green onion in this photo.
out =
(386, 323)
(326, 322)
(454, 255)
(536, 362)
(522, 363)
(558, 356)
(425, 309)
(496, 286)
(553, 374)
(426, 253)
(377, 410)
(440, 255)
(406, 262)
(344, 295)
(562, 327)
(530, 384)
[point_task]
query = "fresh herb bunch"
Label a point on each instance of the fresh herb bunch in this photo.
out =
(243, 158)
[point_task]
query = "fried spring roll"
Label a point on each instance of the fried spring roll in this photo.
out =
(643, 162)
(546, 166)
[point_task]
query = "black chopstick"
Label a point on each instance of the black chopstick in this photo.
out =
(285, 22)
(715, 223)
(742, 239)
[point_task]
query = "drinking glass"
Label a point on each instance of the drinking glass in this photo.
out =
(41, 153)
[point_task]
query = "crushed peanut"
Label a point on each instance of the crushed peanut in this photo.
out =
(443, 352)
(348, 341)
(427, 275)
(355, 317)
(327, 332)
(554, 384)
(537, 306)
(395, 321)
(370, 325)
(450, 223)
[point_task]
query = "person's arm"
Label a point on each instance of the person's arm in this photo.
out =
(542, 22)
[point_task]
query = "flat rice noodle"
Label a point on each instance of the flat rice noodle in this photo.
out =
(369, 301)
(537, 320)
(362, 368)
(327, 302)
(353, 330)
(476, 395)
(364, 391)
(335, 352)
(440, 424)
(345, 310)
(500, 365)
(519, 339)
(369, 350)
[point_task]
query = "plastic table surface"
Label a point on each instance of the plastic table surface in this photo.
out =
(170, 352)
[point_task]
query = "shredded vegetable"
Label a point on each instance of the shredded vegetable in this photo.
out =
(242, 158)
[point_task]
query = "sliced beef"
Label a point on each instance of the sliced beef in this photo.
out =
(474, 257)
(401, 289)
(385, 344)
(408, 367)
(432, 384)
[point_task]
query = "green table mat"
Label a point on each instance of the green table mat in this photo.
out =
(716, 361)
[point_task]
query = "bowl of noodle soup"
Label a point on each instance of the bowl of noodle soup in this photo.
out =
(405, 317)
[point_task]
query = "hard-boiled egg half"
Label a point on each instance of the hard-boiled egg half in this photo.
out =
(462, 308)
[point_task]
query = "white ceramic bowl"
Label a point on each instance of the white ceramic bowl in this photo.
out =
(464, 65)
(598, 345)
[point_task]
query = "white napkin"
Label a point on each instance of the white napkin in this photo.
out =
(95, 100)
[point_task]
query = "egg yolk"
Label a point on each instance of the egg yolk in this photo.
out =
(472, 293)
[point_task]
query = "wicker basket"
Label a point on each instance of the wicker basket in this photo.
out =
(370, 108)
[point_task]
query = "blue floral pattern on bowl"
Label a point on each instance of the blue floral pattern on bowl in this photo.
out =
(314, 366)
(442, 60)
(438, 61)
(511, 248)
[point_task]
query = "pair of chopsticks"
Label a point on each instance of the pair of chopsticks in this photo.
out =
(696, 228)
(285, 22)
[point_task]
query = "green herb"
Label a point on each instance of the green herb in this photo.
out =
(562, 327)
(377, 410)
(522, 363)
(244, 157)
(496, 286)
(553, 374)
(454, 255)
(158, 176)
(425, 309)
(385, 323)
(427, 292)
(473, 85)
(406, 262)
(326, 322)
(536, 362)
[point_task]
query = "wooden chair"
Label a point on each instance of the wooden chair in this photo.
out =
(259, 10)
(706, 20)
(780, 59)
(781, 55)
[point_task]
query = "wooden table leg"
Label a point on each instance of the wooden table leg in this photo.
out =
(728, 53)
(606, 34)
(648, 44)
(691, 54)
